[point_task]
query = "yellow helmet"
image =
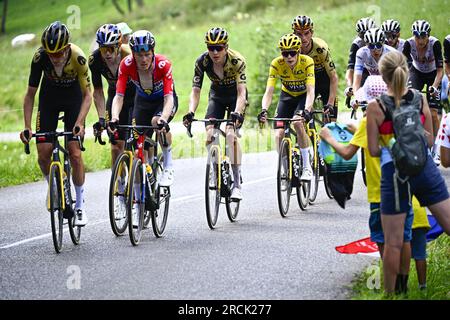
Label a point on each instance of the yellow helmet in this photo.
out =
(216, 36)
(290, 42)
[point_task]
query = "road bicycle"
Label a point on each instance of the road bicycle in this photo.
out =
(135, 185)
(60, 203)
(290, 169)
(219, 181)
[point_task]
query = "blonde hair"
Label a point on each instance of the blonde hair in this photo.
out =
(394, 70)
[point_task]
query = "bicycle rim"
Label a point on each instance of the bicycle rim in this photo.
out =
(314, 184)
(325, 183)
(232, 209)
(212, 190)
(56, 211)
(159, 216)
(118, 196)
(283, 182)
(135, 207)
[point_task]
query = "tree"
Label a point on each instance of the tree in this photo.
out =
(5, 10)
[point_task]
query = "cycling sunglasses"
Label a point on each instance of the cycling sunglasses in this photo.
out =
(377, 45)
(422, 34)
(108, 49)
(215, 48)
(291, 53)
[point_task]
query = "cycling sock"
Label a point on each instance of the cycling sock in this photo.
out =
(79, 191)
(305, 157)
(46, 178)
(167, 154)
(236, 175)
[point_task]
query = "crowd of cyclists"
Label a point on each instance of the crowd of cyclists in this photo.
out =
(141, 91)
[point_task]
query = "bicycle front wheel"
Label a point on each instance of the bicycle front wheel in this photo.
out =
(118, 196)
(162, 196)
(212, 187)
(284, 187)
(56, 206)
(314, 184)
(135, 203)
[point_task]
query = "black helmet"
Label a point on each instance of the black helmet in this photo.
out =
(55, 37)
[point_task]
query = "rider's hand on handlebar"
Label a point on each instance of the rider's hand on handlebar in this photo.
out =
(306, 115)
(262, 116)
(112, 125)
(78, 130)
(433, 91)
(187, 119)
(163, 125)
(25, 135)
(237, 119)
(348, 91)
(99, 126)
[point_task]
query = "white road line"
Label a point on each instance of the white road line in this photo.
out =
(180, 199)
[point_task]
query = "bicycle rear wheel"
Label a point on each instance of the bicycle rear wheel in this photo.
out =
(118, 196)
(232, 207)
(135, 205)
(325, 179)
(284, 187)
(212, 187)
(162, 196)
(56, 206)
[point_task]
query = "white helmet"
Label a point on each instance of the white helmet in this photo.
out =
(108, 35)
(374, 35)
(364, 24)
(420, 27)
(390, 25)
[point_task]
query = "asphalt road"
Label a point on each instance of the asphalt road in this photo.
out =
(261, 256)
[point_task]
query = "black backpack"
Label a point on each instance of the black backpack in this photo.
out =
(409, 150)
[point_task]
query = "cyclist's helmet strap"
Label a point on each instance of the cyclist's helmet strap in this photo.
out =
(55, 37)
(216, 35)
(374, 35)
(108, 35)
(364, 24)
(390, 25)
(420, 26)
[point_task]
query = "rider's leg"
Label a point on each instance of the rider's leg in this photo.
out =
(235, 155)
(78, 174)
(303, 141)
(44, 157)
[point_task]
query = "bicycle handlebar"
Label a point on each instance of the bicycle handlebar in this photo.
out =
(50, 135)
(213, 121)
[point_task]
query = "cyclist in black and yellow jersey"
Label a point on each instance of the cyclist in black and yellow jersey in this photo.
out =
(296, 72)
(65, 87)
(105, 62)
(324, 68)
(228, 93)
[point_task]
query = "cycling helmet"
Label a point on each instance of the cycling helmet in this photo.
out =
(290, 42)
(302, 23)
(55, 37)
(216, 36)
(142, 40)
(108, 35)
(421, 26)
(374, 35)
(364, 24)
(390, 26)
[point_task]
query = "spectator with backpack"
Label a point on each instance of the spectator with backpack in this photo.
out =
(407, 167)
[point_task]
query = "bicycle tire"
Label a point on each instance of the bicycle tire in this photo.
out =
(135, 232)
(303, 191)
(314, 183)
(162, 194)
(212, 188)
(325, 181)
(118, 217)
(283, 181)
(56, 204)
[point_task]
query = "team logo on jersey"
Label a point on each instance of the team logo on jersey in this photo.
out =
(162, 64)
(243, 77)
(319, 50)
(91, 59)
(234, 62)
(128, 61)
(81, 60)
(196, 79)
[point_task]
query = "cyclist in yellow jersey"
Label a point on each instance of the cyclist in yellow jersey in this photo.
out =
(228, 94)
(324, 68)
(65, 87)
(296, 72)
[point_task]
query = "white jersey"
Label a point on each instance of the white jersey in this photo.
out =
(364, 59)
(400, 44)
(427, 63)
(443, 136)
